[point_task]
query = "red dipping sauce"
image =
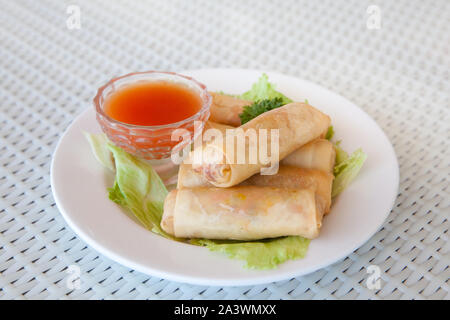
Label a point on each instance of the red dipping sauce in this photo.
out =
(139, 111)
(152, 103)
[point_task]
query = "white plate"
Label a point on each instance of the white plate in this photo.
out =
(79, 186)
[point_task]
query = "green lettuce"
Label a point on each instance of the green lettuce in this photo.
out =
(115, 195)
(262, 90)
(263, 254)
(341, 155)
(330, 133)
(98, 143)
(137, 187)
(346, 168)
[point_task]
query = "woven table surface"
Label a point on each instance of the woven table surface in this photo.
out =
(397, 71)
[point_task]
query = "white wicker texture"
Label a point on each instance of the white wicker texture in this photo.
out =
(399, 74)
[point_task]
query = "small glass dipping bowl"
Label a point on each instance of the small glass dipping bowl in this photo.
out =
(149, 142)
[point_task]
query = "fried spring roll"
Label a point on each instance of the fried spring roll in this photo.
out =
(214, 125)
(168, 213)
(188, 178)
(298, 124)
(287, 177)
(242, 213)
(226, 109)
(298, 178)
(318, 154)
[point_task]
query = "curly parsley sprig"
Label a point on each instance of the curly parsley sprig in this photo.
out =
(260, 107)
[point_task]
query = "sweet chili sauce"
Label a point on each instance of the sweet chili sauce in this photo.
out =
(152, 103)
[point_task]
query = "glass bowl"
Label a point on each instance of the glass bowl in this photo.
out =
(150, 142)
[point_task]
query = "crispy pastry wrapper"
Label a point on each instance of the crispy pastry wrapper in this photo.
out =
(242, 213)
(298, 124)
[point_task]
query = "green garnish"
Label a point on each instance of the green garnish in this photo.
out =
(260, 254)
(262, 90)
(259, 107)
(346, 168)
(330, 133)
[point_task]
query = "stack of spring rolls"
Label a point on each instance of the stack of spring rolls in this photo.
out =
(226, 200)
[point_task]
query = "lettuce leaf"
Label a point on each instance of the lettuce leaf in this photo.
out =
(138, 188)
(330, 133)
(262, 90)
(346, 169)
(265, 254)
(99, 147)
(115, 195)
(341, 156)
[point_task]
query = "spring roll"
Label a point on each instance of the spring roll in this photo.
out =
(226, 109)
(214, 125)
(168, 213)
(287, 177)
(318, 154)
(188, 178)
(298, 178)
(298, 124)
(239, 213)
